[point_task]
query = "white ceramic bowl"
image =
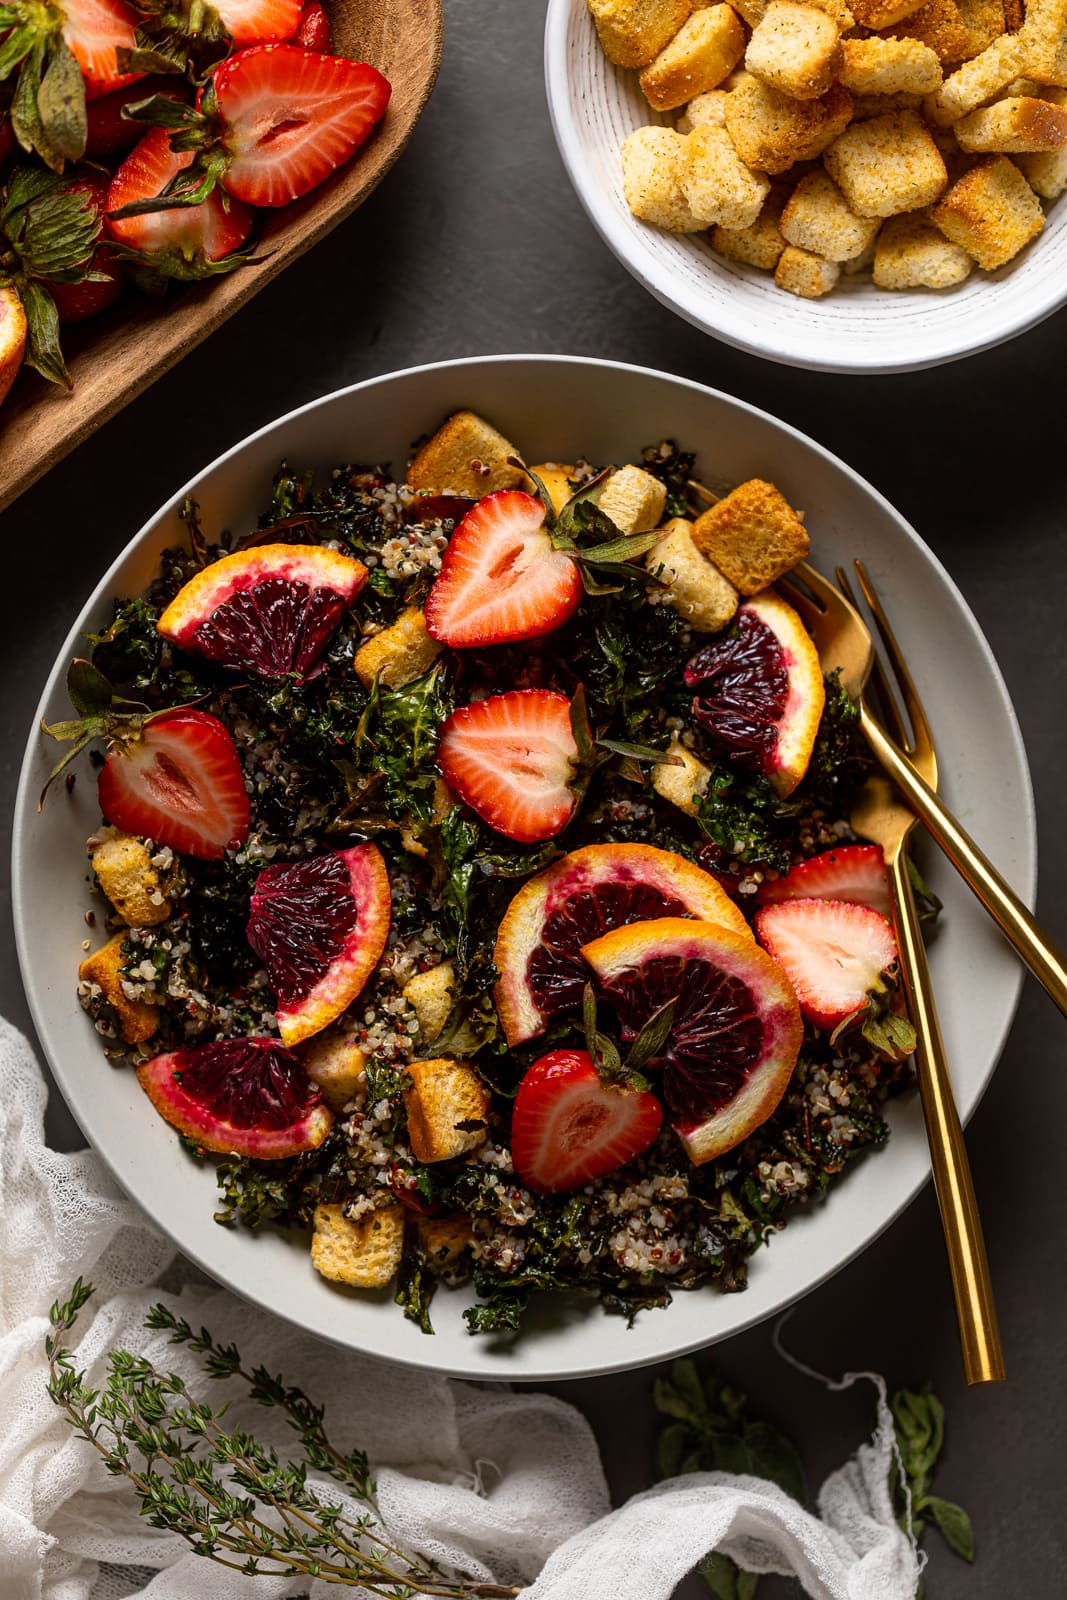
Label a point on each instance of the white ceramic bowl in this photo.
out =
(855, 328)
(552, 407)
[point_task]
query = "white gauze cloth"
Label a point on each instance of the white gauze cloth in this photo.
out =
(495, 1484)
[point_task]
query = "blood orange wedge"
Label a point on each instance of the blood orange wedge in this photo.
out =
(760, 690)
(246, 1097)
(271, 610)
(586, 894)
(736, 1029)
(319, 926)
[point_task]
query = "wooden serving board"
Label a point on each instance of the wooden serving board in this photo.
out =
(114, 357)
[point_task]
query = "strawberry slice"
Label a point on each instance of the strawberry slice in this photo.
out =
(180, 783)
(834, 954)
(313, 31)
(93, 30)
(109, 132)
(182, 243)
(568, 1127)
(291, 117)
(854, 872)
(502, 578)
(511, 758)
(259, 21)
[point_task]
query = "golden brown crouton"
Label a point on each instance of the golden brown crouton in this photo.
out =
(1044, 35)
(555, 478)
(135, 1019)
(883, 13)
(1047, 174)
(866, 106)
(653, 161)
(444, 1239)
(771, 131)
(938, 24)
(801, 273)
(631, 32)
(757, 246)
(702, 53)
(467, 456)
(912, 254)
(706, 111)
(887, 165)
(125, 873)
(795, 49)
(991, 212)
(983, 21)
(716, 182)
(447, 1105)
(430, 995)
(977, 81)
(335, 1063)
(752, 536)
(889, 66)
(1018, 126)
(818, 219)
(683, 782)
(633, 499)
(365, 1253)
(696, 589)
(1014, 15)
(400, 653)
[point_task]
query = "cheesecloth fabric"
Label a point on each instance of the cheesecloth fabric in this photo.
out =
(498, 1485)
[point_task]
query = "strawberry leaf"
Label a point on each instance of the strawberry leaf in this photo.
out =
(61, 103)
(43, 351)
(26, 118)
(653, 1037)
(90, 693)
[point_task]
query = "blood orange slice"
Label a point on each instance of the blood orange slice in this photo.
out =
(271, 610)
(736, 1030)
(246, 1097)
(319, 926)
(586, 894)
(760, 690)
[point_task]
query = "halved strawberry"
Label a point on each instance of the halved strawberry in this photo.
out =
(834, 954)
(109, 132)
(291, 117)
(180, 783)
(313, 31)
(259, 21)
(511, 758)
(185, 242)
(93, 30)
(853, 872)
(569, 1127)
(502, 578)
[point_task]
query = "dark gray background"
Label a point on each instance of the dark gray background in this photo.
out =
(474, 245)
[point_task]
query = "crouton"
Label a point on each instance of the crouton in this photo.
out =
(1019, 126)
(718, 185)
(399, 653)
(365, 1253)
(771, 132)
(555, 478)
(817, 218)
(1047, 174)
(795, 49)
(753, 11)
(866, 106)
(804, 274)
(633, 499)
(696, 589)
(863, 262)
(977, 81)
(983, 21)
(938, 24)
(991, 212)
(883, 13)
(335, 1063)
(1044, 37)
(444, 1239)
(1014, 15)
(465, 456)
(684, 781)
(430, 995)
(632, 32)
(887, 165)
(889, 66)
(912, 254)
(706, 111)
(125, 873)
(702, 53)
(447, 1105)
(759, 245)
(753, 535)
(653, 160)
(135, 1019)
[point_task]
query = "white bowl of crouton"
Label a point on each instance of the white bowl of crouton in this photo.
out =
(843, 185)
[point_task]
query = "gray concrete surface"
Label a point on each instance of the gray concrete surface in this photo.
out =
(475, 244)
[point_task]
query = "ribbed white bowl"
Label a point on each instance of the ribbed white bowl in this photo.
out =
(856, 328)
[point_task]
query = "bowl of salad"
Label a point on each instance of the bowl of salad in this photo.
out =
(430, 921)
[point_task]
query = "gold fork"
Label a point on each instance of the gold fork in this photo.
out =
(843, 642)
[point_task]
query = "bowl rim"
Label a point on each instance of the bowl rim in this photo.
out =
(25, 812)
(743, 336)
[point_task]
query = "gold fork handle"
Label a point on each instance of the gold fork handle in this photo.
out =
(975, 1311)
(977, 871)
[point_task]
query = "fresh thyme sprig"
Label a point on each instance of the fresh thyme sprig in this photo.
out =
(230, 1497)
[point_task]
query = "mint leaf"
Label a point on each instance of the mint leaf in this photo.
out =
(954, 1523)
(672, 1402)
(726, 1580)
(775, 1457)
